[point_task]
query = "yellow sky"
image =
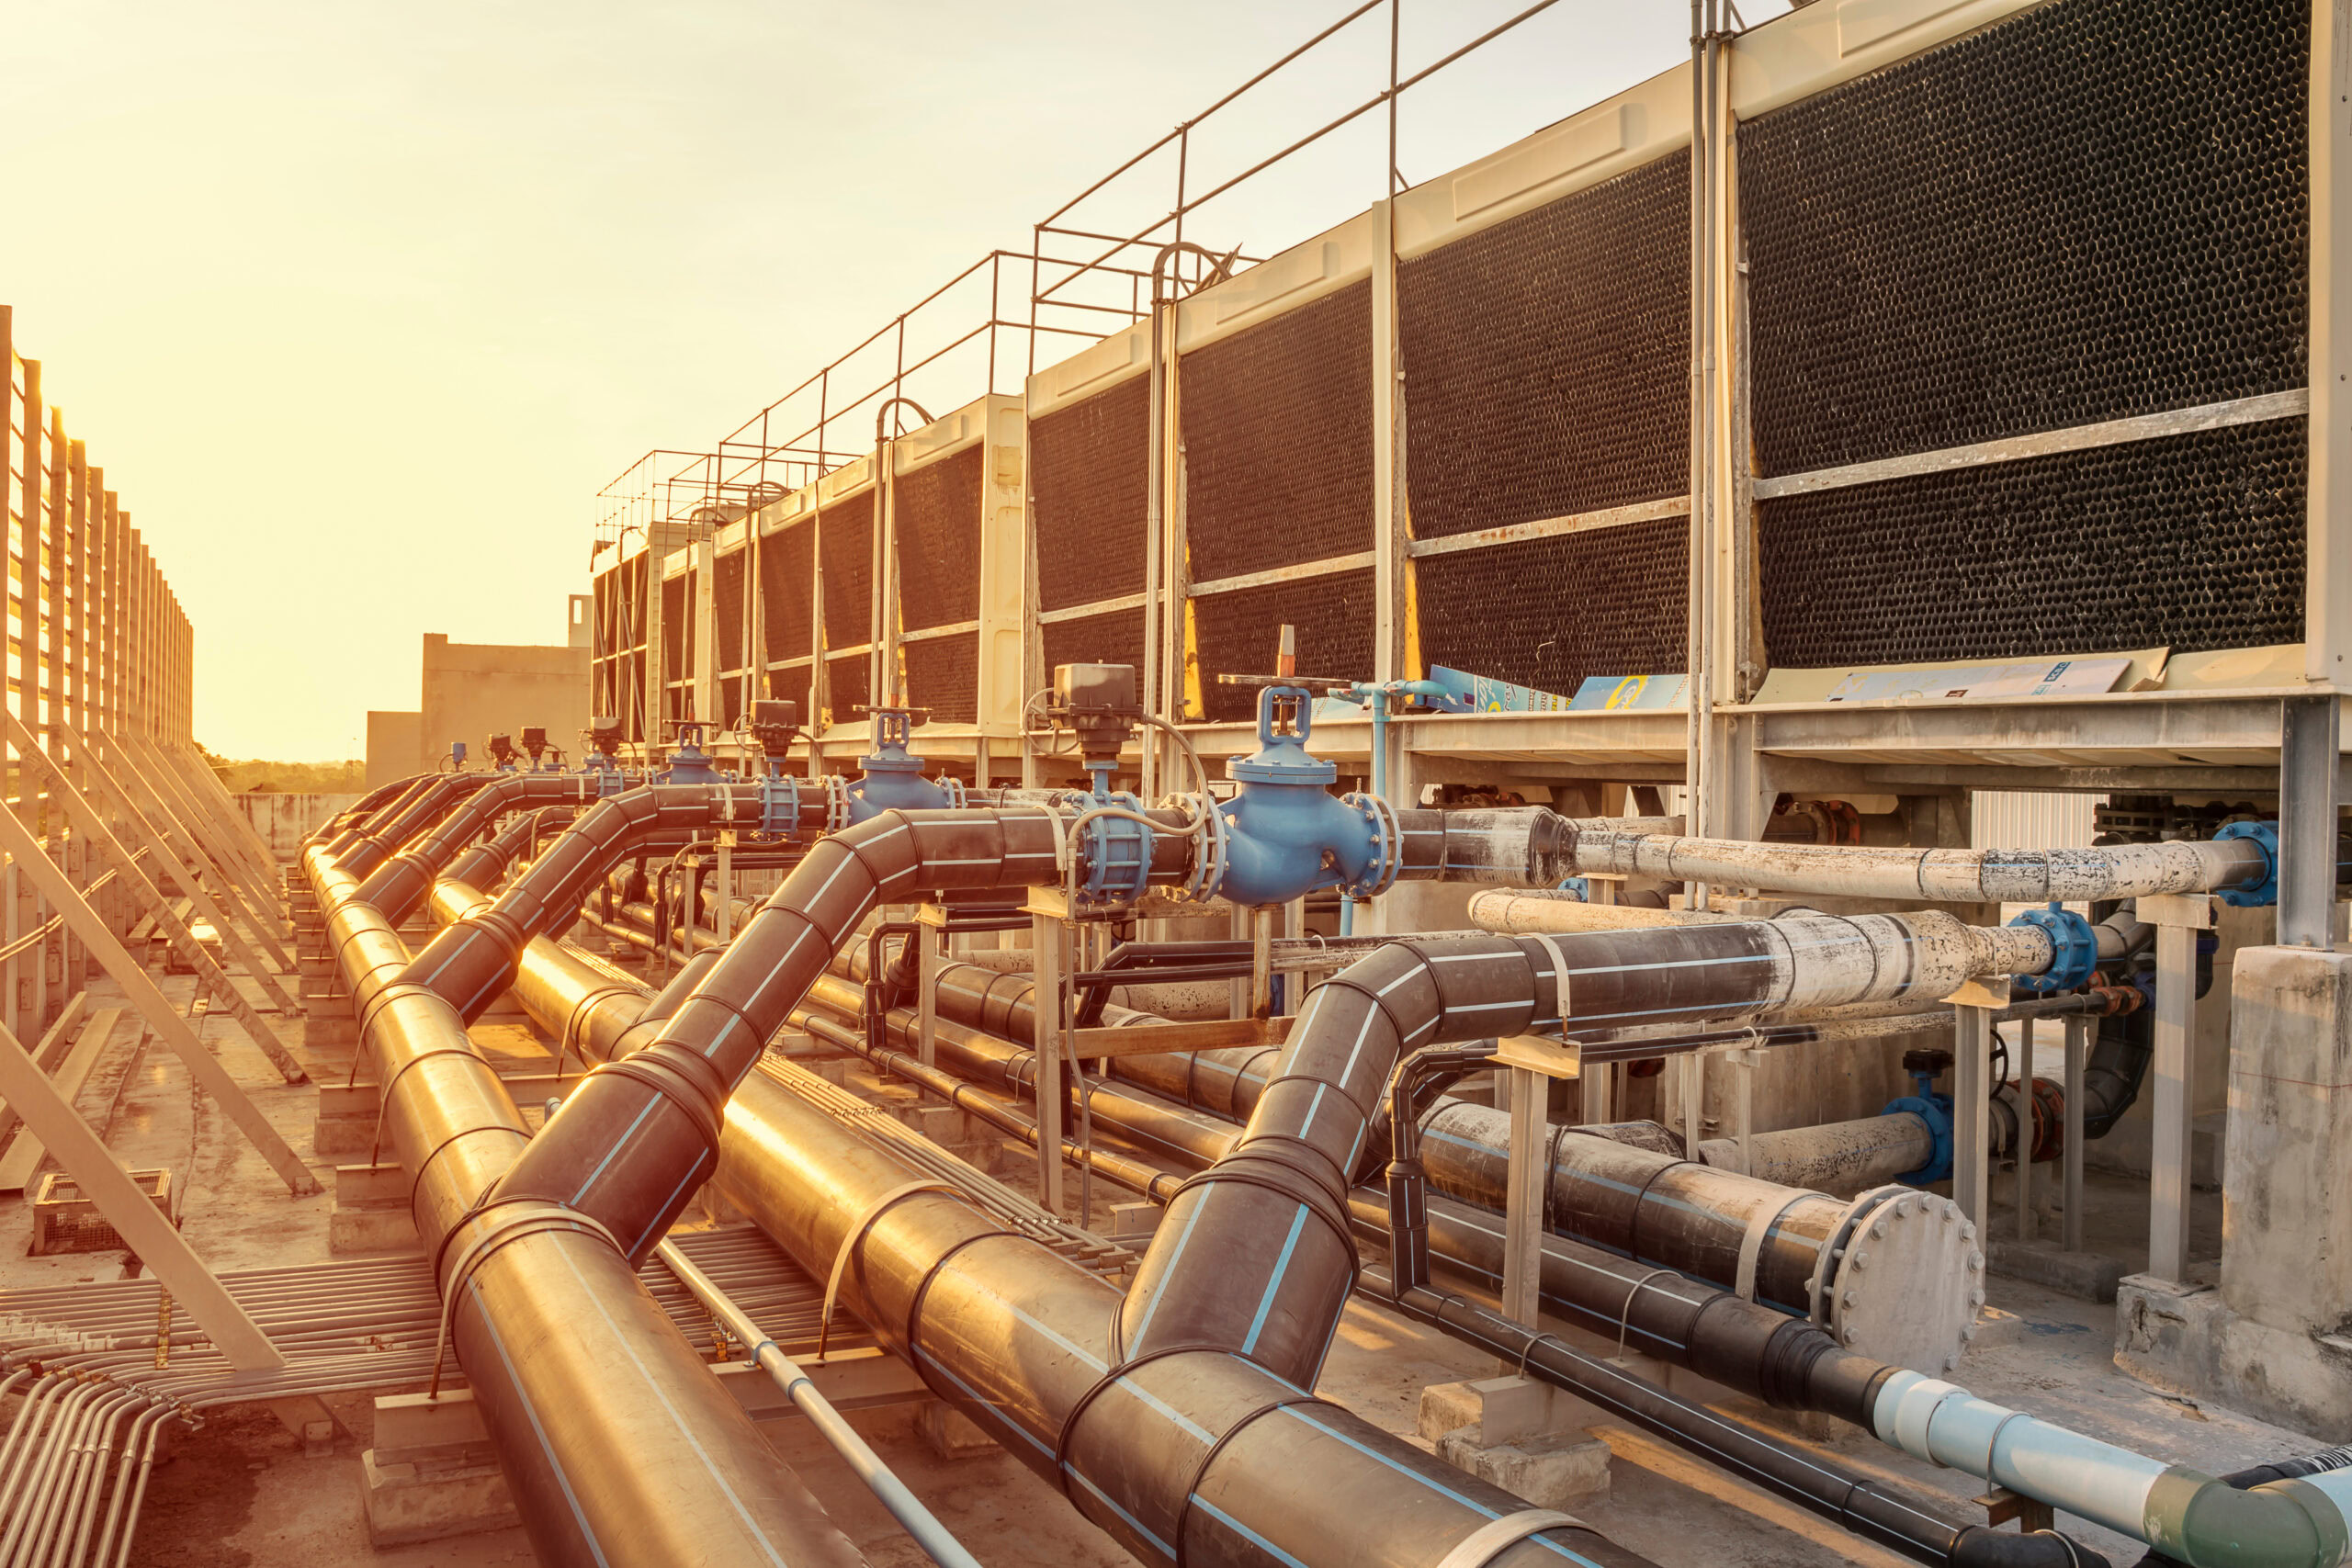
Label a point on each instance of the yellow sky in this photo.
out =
(358, 304)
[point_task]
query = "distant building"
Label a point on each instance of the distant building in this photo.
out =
(471, 690)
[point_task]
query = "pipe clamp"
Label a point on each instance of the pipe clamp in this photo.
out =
(1486, 1543)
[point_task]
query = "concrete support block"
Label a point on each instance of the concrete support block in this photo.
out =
(1560, 1470)
(371, 1227)
(424, 1501)
(950, 1434)
(2286, 1170)
(334, 1136)
(2193, 1343)
(1135, 1222)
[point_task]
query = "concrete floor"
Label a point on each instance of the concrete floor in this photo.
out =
(240, 1491)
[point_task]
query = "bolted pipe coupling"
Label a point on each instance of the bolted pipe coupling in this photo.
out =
(2074, 950)
(2260, 890)
(780, 806)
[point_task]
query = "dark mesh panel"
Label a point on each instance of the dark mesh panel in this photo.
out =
(1114, 639)
(786, 573)
(944, 675)
(936, 511)
(1547, 359)
(792, 686)
(847, 678)
(2096, 209)
(675, 641)
(727, 593)
(846, 535)
(730, 700)
(1278, 440)
(1087, 474)
(1241, 633)
(2194, 542)
(1547, 612)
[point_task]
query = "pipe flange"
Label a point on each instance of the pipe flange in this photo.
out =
(2074, 950)
(958, 798)
(780, 806)
(2263, 890)
(1388, 860)
(1211, 849)
(1901, 1279)
(837, 803)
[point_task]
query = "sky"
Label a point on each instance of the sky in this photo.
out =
(359, 304)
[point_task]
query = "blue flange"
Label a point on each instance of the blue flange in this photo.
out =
(2251, 895)
(1935, 1110)
(780, 806)
(1118, 853)
(2074, 950)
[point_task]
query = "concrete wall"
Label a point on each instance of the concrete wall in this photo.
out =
(473, 689)
(393, 745)
(285, 820)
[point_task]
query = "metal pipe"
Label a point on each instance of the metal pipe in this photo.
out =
(652, 1461)
(1201, 1446)
(938, 1544)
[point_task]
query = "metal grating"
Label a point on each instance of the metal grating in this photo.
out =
(787, 573)
(944, 675)
(1548, 613)
(1088, 488)
(1114, 639)
(2192, 543)
(1547, 358)
(846, 534)
(726, 590)
(2094, 209)
(935, 511)
(1277, 429)
(847, 680)
(1241, 633)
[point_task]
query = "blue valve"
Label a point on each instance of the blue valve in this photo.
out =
(893, 778)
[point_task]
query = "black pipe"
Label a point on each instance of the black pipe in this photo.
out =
(417, 812)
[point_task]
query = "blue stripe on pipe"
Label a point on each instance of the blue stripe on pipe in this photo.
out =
(1173, 1259)
(1245, 1533)
(515, 1378)
(1007, 1422)
(614, 1153)
(1135, 1524)
(1266, 1301)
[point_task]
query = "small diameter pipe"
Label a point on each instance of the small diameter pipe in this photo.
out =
(937, 1542)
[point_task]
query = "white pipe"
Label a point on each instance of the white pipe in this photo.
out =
(1539, 911)
(1969, 876)
(2185, 1513)
(919, 1522)
(1836, 1155)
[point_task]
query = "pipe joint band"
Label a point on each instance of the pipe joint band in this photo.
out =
(1337, 1226)
(856, 1234)
(1486, 1543)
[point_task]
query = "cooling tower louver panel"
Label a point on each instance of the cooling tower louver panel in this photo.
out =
(1112, 638)
(935, 511)
(788, 575)
(845, 538)
(728, 598)
(1088, 480)
(677, 642)
(792, 686)
(2094, 209)
(1547, 359)
(1277, 431)
(1548, 613)
(1240, 633)
(2192, 543)
(943, 675)
(849, 679)
(2105, 220)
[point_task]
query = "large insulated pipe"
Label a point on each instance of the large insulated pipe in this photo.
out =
(2007, 876)
(618, 1445)
(1665, 1211)
(471, 962)
(420, 809)
(399, 884)
(1204, 1452)
(366, 806)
